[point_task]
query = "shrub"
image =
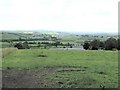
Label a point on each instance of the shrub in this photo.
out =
(19, 46)
(110, 44)
(95, 44)
(86, 45)
(22, 45)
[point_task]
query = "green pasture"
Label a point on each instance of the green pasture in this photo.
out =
(9, 36)
(4, 43)
(73, 68)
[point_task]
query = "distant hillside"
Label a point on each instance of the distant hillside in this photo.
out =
(9, 36)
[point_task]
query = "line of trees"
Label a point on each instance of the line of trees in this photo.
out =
(25, 45)
(22, 45)
(96, 44)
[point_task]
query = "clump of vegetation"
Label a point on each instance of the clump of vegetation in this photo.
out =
(109, 44)
(42, 55)
(7, 51)
(22, 45)
(86, 45)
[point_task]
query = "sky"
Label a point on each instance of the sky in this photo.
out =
(59, 15)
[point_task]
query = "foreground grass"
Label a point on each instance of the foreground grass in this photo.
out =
(77, 69)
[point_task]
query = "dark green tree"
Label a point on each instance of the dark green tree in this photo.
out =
(86, 45)
(102, 45)
(25, 45)
(19, 46)
(95, 44)
(20, 39)
(110, 44)
(22, 45)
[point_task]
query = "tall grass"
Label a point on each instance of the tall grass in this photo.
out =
(7, 51)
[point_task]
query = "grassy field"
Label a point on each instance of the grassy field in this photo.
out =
(9, 36)
(69, 68)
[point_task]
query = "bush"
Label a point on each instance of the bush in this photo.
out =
(86, 45)
(32, 42)
(95, 44)
(70, 46)
(25, 45)
(22, 45)
(110, 44)
(102, 45)
(19, 46)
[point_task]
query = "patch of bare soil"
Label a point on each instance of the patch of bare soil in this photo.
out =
(26, 78)
(14, 78)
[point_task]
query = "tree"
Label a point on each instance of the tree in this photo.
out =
(57, 42)
(20, 39)
(19, 46)
(53, 38)
(95, 44)
(110, 44)
(70, 46)
(22, 45)
(25, 45)
(86, 45)
(39, 44)
(102, 45)
(45, 46)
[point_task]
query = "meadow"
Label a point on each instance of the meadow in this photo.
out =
(66, 68)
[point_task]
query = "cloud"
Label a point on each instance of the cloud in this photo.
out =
(64, 15)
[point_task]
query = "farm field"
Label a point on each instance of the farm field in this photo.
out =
(42, 68)
(9, 39)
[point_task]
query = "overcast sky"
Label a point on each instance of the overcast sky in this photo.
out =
(59, 15)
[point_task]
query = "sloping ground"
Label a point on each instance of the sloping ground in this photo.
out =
(8, 36)
(26, 78)
(12, 36)
(13, 78)
(56, 77)
(7, 51)
(60, 69)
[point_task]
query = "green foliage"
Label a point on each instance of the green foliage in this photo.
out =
(22, 45)
(86, 46)
(95, 44)
(110, 44)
